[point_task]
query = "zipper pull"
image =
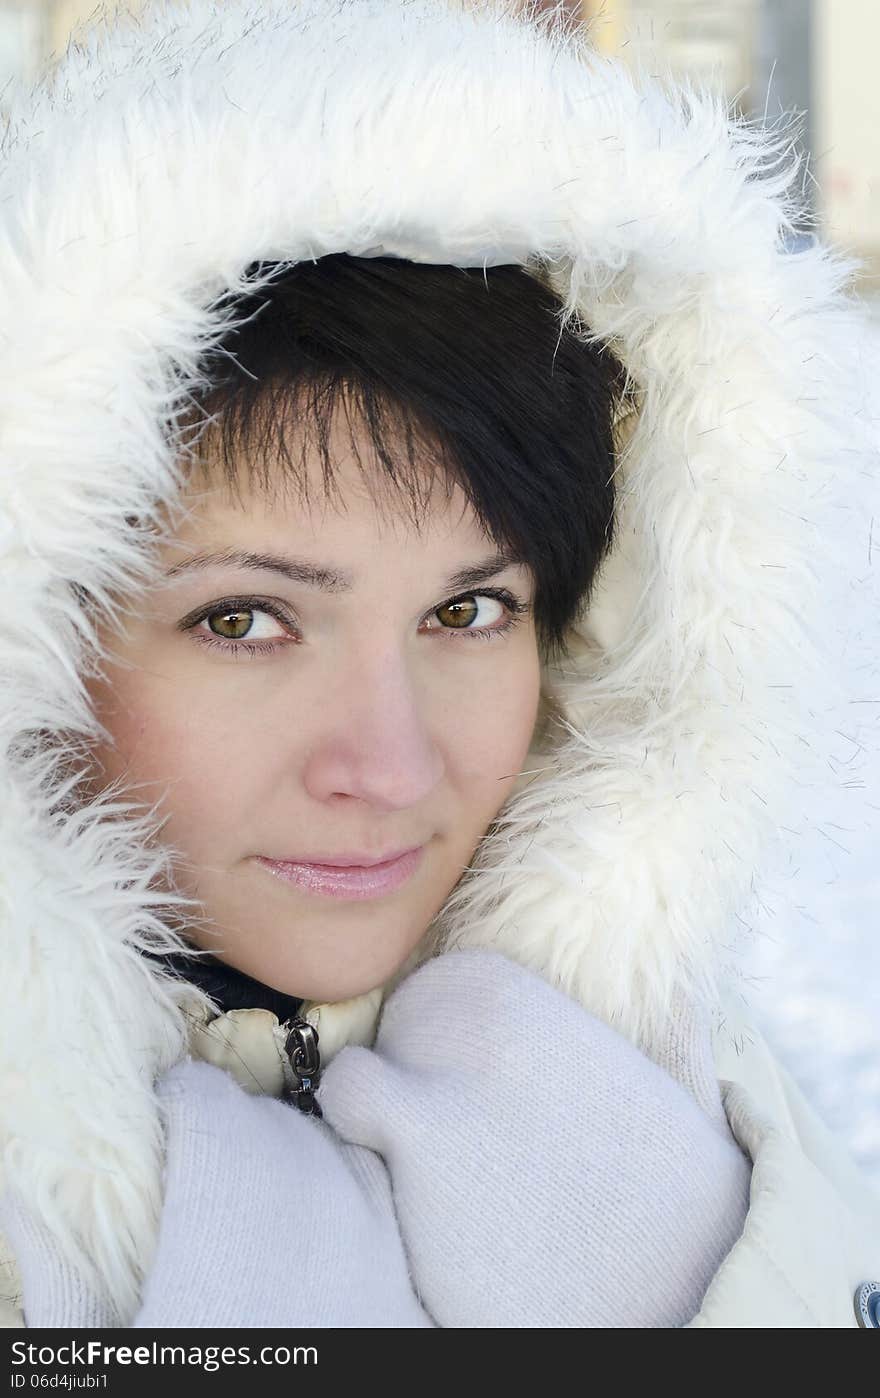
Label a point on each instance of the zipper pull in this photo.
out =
(301, 1047)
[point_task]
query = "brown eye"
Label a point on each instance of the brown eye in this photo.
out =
(233, 622)
(225, 624)
(458, 614)
(238, 623)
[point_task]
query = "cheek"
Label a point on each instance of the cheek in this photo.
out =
(493, 720)
(163, 749)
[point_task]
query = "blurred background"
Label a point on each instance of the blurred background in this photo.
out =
(811, 966)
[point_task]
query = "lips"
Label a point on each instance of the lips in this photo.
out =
(350, 881)
(344, 861)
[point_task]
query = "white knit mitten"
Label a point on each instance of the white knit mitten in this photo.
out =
(545, 1172)
(268, 1219)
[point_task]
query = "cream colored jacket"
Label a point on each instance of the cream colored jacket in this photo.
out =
(166, 164)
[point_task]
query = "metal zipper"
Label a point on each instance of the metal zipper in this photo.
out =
(301, 1047)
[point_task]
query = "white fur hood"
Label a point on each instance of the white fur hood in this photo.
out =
(162, 156)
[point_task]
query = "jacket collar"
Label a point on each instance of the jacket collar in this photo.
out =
(247, 1032)
(250, 1043)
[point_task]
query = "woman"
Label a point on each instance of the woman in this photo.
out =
(585, 795)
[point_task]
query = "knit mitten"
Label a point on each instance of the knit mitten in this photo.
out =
(268, 1219)
(545, 1172)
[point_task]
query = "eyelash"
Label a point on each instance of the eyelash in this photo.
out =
(515, 606)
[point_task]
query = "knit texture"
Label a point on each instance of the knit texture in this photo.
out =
(268, 1220)
(545, 1172)
(536, 1170)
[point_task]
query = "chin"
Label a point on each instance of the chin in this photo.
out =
(332, 989)
(332, 985)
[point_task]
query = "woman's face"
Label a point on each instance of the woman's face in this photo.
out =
(355, 719)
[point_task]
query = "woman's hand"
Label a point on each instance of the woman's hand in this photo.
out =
(545, 1172)
(268, 1219)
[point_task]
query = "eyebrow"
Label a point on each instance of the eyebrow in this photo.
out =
(332, 580)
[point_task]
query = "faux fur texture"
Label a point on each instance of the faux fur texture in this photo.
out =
(162, 155)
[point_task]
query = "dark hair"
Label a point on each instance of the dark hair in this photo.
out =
(471, 369)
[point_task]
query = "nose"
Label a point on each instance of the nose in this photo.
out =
(375, 742)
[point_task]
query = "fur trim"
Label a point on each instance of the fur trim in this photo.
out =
(165, 153)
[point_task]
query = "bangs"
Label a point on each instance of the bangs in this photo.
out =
(271, 439)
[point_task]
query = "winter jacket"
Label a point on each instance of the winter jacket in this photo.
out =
(163, 156)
